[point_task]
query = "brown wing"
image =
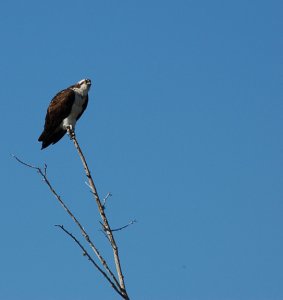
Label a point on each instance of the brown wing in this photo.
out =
(59, 108)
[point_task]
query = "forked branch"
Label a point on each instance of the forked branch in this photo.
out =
(101, 209)
(109, 275)
(85, 253)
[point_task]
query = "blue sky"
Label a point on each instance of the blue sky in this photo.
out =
(184, 128)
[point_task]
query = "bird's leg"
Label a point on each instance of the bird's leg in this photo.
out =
(70, 132)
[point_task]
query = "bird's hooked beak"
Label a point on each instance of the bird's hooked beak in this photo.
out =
(88, 82)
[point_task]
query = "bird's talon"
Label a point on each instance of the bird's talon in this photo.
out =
(70, 132)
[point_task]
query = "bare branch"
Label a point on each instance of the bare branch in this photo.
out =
(45, 169)
(102, 214)
(85, 253)
(125, 226)
(105, 199)
(119, 286)
(24, 163)
(88, 185)
(119, 228)
(84, 233)
(103, 231)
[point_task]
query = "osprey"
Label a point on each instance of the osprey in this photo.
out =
(64, 111)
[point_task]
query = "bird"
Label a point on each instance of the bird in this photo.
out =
(64, 111)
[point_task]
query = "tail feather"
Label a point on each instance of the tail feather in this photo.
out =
(53, 138)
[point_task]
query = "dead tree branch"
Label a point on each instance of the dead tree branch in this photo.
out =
(43, 173)
(102, 214)
(85, 253)
(125, 226)
(105, 199)
(119, 228)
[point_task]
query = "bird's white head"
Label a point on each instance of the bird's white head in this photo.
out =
(82, 87)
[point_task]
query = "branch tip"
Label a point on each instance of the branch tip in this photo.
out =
(105, 199)
(125, 226)
(25, 164)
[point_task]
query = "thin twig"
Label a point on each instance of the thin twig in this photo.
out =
(103, 231)
(106, 233)
(102, 214)
(125, 226)
(88, 185)
(24, 163)
(119, 228)
(84, 233)
(85, 253)
(105, 199)
(45, 169)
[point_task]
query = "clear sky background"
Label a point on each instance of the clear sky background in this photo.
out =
(184, 127)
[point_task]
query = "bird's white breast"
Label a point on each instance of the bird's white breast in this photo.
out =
(75, 111)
